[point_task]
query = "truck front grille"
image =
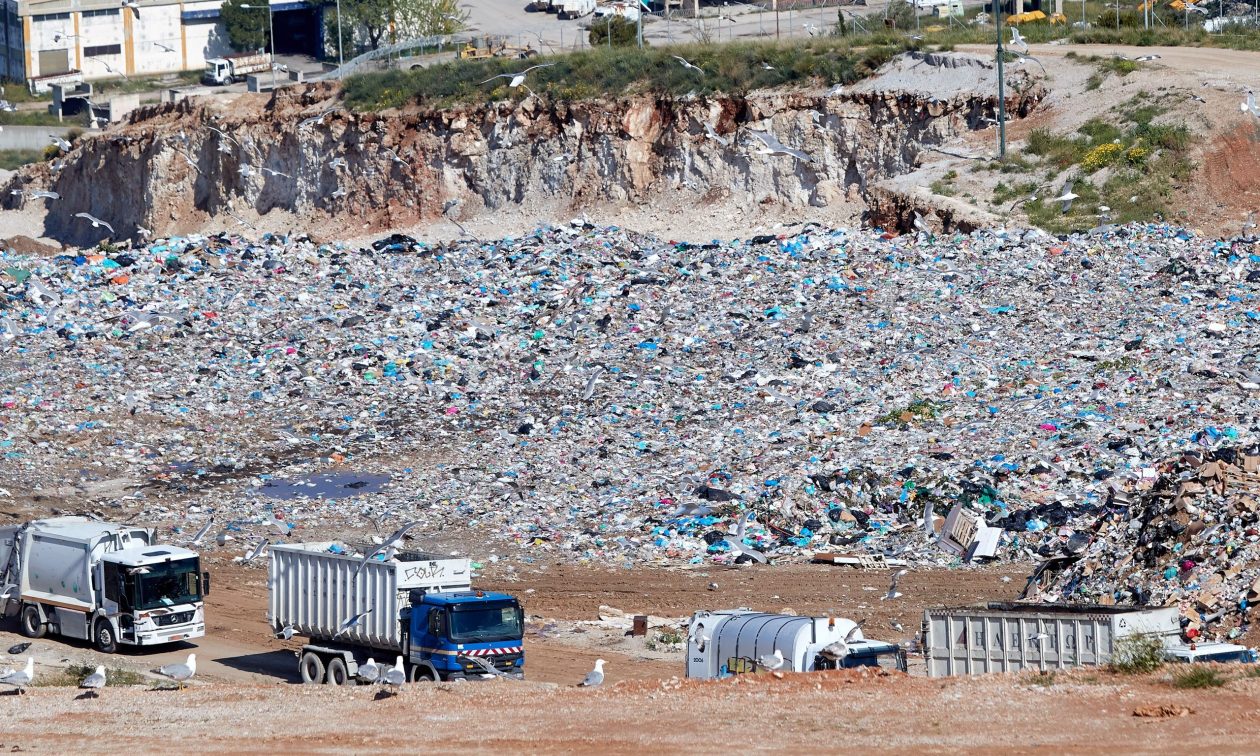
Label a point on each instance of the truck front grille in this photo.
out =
(177, 618)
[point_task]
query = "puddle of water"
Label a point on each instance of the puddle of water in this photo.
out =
(326, 485)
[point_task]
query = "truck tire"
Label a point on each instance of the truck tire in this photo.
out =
(421, 674)
(32, 624)
(337, 674)
(103, 637)
(311, 668)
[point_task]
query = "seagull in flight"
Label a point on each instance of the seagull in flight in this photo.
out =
(257, 552)
(1066, 197)
(96, 222)
(108, 67)
(273, 172)
(389, 546)
(773, 146)
(202, 532)
(892, 587)
(712, 134)
(736, 544)
(517, 79)
(62, 144)
(1017, 39)
(351, 621)
(1146, 58)
(164, 47)
(316, 120)
(688, 64)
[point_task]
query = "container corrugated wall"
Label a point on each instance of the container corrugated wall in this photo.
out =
(315, 592)
(976, 643)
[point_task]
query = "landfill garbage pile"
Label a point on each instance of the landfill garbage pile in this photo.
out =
(591, 394)
(1186, 532)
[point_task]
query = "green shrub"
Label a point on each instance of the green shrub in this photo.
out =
(622, 31)
(1138, 654)
(1196, 676)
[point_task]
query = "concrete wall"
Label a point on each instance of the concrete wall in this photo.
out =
(32, 137)
(161, 40)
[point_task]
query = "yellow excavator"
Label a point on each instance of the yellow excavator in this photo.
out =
(494, 47)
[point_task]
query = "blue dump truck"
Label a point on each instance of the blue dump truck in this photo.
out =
(421, 607)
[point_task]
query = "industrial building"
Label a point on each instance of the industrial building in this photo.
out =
(103, 38)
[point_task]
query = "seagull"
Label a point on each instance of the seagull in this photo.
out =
(390, 544)
(775, 147)
(22, 677)
(393, 156)
(895, 625)
(1037, 638)
(40, 194)
(1197, 98)
(351, 621)
(1066, 197)
(180, 673)
(892, 587)
(337, 162)
(257, 552)
(273, 172)
(517, 79)
(164, 47)
(223, 134)
(737, 546)
(1026, 56)
(96, 222)
(315, 120)
(1250, 105)
(446, 209)
(222, 538)
(369, 671)
(921, 224)
(94, 682)
(712, 134)
(929, 523)
(108, 67)
(245, 171)
(144, 232)
(688, 64)
(339, 193)
(772, 661)
(202, 532)
(277, 519)
(595, 677)
(766, 66)
(286, 632)
(63, 145)
(135, 8)
(395, 676)
(1146, 58)
(1017, 39)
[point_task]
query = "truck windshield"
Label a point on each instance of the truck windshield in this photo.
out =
(169, 583)
(884, 659)
(486, 622)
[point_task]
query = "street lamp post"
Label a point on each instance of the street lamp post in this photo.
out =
(271, 29)
(341, 61)
(1001, 77)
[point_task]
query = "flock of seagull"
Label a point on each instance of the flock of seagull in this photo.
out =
(23, 678)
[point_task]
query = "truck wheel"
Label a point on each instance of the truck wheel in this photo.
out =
(104, 638)
(421, 674)
(312, 668)
(337, 674)
(32, 625)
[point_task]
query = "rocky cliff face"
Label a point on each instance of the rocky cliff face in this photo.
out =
(173, 166)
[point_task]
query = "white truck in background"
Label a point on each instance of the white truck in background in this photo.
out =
(232, 68)
(574, 8)
(1010, 637)
(739, 641)
(108, 583)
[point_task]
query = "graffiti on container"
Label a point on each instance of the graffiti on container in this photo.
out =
(424, 573)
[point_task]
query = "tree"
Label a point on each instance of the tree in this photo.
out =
(372, 23)
(246, 27)
(624, 33)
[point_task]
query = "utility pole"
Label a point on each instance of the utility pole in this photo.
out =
(1001, 76)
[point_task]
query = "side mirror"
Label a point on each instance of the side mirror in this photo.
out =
(205, 584)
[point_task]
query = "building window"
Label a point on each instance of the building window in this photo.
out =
(99, 13)
(50, 17)
(98, 50)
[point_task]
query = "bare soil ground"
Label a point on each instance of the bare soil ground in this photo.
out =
(246, 698)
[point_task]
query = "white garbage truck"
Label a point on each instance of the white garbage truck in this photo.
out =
(231, 68)
(739, 641)
(108, 583)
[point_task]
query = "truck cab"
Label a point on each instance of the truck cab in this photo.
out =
(151, 595)
(1198, 653)
(447, 630)
(218, 71)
